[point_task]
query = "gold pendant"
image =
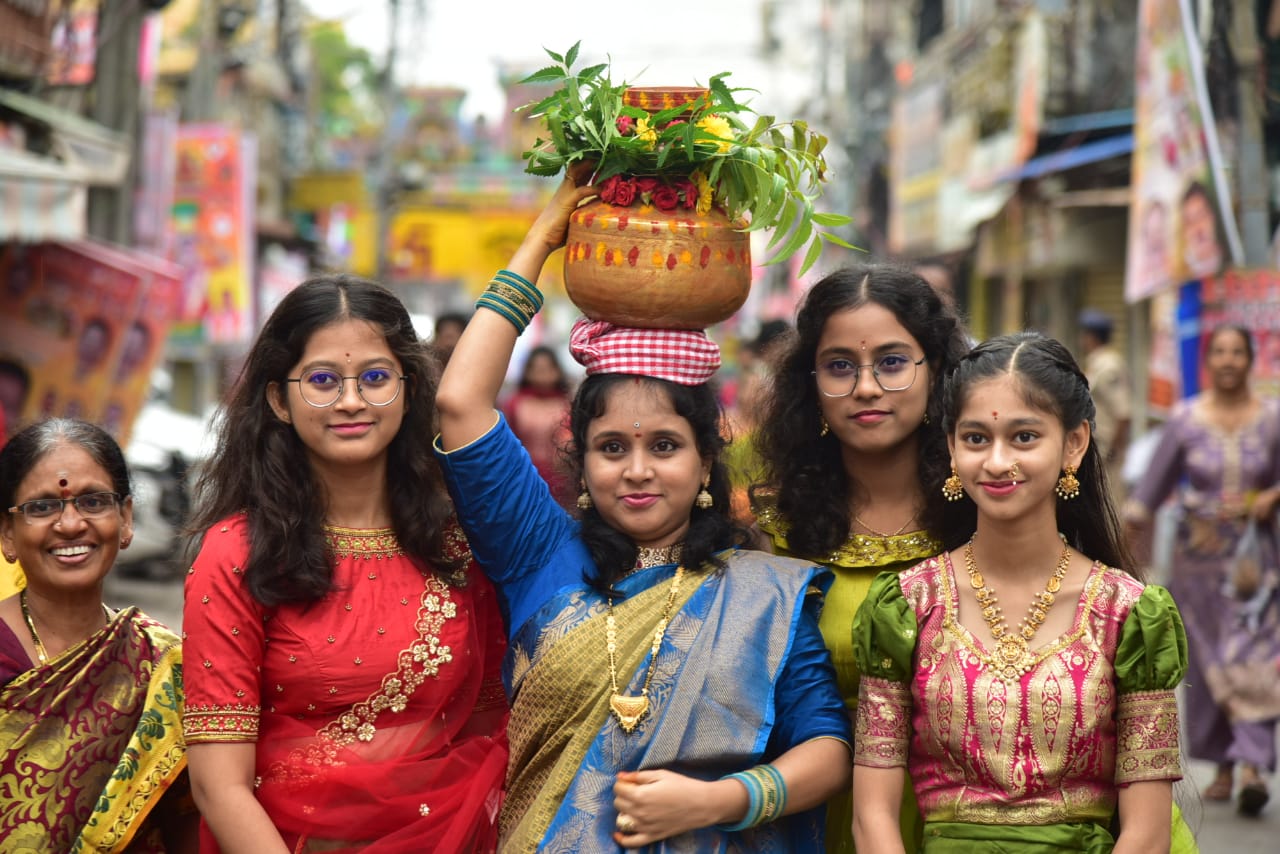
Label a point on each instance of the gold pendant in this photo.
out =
(1011, 649)
(628, 711)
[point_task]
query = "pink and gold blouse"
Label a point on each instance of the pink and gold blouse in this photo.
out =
(986, 744)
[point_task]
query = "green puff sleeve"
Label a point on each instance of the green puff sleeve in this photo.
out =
(884, 645)
(1152, 652)
(1151, 659)
(884, 631)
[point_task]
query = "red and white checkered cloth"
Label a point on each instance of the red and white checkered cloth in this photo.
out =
(683, 356)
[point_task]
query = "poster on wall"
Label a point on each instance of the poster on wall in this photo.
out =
(1249, 299)
(66, 329)
(213, 232)
(1180, 225)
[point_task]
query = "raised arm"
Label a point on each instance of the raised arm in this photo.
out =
(469, 388)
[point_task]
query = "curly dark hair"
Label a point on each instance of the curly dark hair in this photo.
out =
(805, 471)
(1051, 381)
(261, 466)
(710, 530)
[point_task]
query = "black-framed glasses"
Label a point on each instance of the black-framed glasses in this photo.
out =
(893, 372)
(376, 386)
(90, 505)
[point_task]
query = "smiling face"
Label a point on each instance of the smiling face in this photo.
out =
(870, 419)
(1008, 453)
(350, 431)
(643, 480)
(70, 551)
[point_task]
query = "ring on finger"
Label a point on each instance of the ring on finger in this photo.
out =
(626, 824)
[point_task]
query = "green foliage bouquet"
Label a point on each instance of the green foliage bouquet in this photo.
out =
(692, 149)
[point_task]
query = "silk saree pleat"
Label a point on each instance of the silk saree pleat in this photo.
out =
(92, 740)
(563, 699)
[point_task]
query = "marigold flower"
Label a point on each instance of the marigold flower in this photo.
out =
(646, 133)
(705, 193)
(718, 126)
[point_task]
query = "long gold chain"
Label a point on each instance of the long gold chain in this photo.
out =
(1012, 648)
(628, 710)
(31, 627)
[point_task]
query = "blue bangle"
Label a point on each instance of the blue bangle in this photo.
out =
(766, 797)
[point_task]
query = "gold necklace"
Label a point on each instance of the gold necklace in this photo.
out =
(881, 533)
(1012, 648)
(647, 556)
(41, 653)
(31, 627)
(627, 710)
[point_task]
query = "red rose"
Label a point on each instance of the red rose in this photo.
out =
(609, 189)
(625, 123)
(673, 123)
(625, 193)
(666, 198)
(646, 184)
(689, 193)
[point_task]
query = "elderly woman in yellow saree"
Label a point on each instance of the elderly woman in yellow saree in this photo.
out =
(91, 750)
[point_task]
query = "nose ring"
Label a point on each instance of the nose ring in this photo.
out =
(1014, 472)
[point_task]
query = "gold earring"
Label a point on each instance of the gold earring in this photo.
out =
(704, 499)
(584, 498)
(952, 488)
(826, 428)
(1068, 485)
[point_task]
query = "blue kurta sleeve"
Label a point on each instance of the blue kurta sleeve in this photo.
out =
(807, 702)
(520, 536)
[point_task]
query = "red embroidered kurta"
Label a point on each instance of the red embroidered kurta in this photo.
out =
(378, 712)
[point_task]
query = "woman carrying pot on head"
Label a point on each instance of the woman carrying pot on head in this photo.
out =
(669, 689)
(347, 692)
(854, 452)
(91, 751)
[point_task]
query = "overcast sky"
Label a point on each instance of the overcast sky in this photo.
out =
(462, 42)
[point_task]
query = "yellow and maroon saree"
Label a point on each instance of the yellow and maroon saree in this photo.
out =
(91, 741)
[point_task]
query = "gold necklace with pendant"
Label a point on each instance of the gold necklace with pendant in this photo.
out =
(627, 710)
(1012, 653)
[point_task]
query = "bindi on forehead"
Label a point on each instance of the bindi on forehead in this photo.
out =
(995, 416)
(63, 489)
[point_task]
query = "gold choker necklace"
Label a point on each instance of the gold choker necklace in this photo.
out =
(1013, 648)
(629, 711)
(658, 555)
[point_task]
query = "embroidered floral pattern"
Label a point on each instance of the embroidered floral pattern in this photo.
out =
(422, 660)
(1147, 737)
(220, 723)
(881, 729)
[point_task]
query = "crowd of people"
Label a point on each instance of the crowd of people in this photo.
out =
(425, 617)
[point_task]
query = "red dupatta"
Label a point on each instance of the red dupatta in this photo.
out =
(412, 767)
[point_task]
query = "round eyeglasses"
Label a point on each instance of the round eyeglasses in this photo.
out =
(376, 386)
(90, 505)
(893, 372)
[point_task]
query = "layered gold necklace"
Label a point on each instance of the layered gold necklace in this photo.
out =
(629, 711)
(1013, 652)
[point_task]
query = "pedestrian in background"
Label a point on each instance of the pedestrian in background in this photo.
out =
(346, 691)
(1219, 457)
(1109, 384)
(538, 412)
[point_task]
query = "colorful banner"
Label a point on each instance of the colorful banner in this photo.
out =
(213, 213)
(75, 45)
(1251, 299)
(1180, 224)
